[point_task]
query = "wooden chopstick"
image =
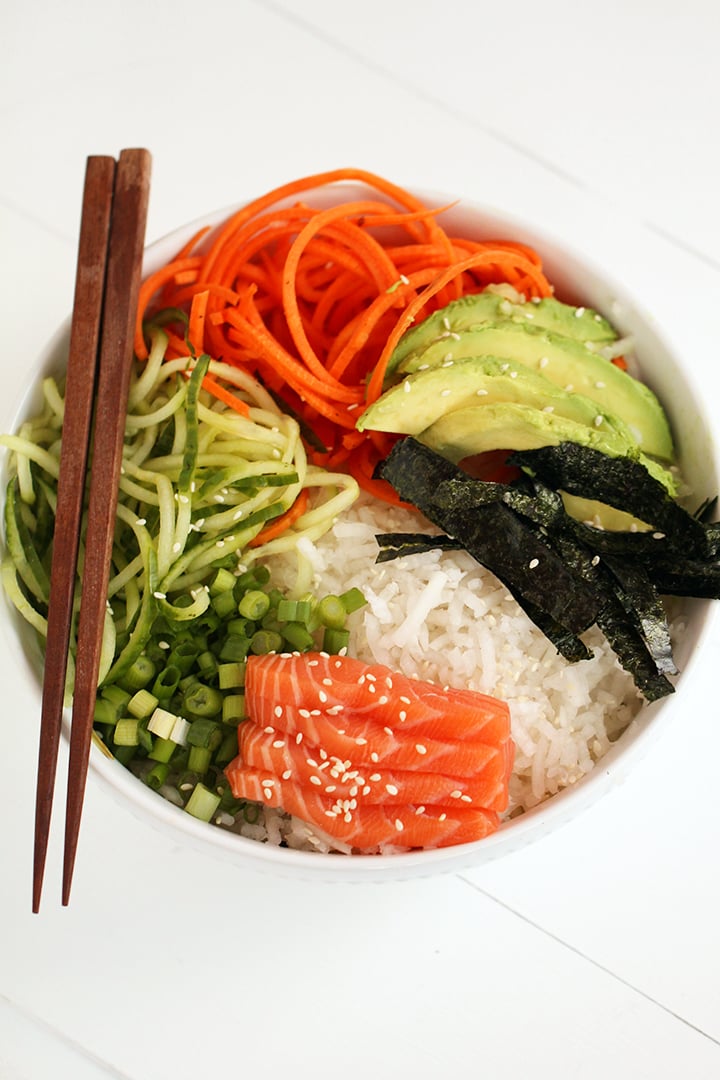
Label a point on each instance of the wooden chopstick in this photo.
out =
(115, 206)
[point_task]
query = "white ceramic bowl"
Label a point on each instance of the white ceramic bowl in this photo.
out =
(578, 280)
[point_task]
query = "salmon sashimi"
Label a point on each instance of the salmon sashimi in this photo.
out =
(370, 757)
(306, 764)
(338, 683)
(364, 827)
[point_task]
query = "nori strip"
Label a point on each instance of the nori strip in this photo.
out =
(621, 482)
(621, 631)
(470, 511)
(640, 599)
(618, 576)
(395, 545)
(685, 577)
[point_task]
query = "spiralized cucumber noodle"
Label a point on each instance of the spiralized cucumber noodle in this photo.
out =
(199, 482)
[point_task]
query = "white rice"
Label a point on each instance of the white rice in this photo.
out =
(440, 616)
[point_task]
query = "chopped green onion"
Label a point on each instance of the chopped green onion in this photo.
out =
(202, 700)
(166, 683)
(335, 641)
(298, 636)
(199, 759)
(156, 777)
(233, 710)
(352, 600)
(162, 750)
(254, 604)
(202, 803)
(231, 675)
(223, 603)
(233, 648)
(265, 641)
(142, 704)
(138, 674)
(331, 612)
(126, 732)
(224, 581)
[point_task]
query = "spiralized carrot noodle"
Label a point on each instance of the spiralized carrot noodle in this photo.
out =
(312, 299)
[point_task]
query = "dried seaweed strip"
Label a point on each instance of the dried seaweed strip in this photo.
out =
(621, 482)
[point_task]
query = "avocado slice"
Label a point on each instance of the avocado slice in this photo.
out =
(510, 426)
(568, 364)
(425, 396)
(502, 303)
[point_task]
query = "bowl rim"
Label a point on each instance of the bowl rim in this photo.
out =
(651, 722)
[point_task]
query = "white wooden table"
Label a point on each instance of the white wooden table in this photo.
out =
(594, 952)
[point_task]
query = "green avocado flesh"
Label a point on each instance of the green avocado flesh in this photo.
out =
(479, 428)
(425, 396)
(500, 303)
(568, 364)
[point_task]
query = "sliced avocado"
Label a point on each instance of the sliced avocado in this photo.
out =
(510, 426)
(424, 396)
(568, 364)
(495, 304)
(602, 516)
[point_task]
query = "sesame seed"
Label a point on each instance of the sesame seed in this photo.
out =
(360, 741)
(374, 758)
(388, 730)
(595, 560)
(375, 777)
(420, 748)
(481, 392)
(513, 374)
(579, 312)
(327, 682)
(160, 595)
(299, 737)
(287, 774)
(445, 393)
(315, 780)
(366, 790)
(371, 688)
(399, 825)
(347, 817)
(391, 789)
(141, 521)
(330, 788)
(304, 713)
(278, 743)
(658, 536)
(405, 700)
(599, 385)
(419, 809)
(322, 695)
(598, 420)
(455, 794)
(353, 790)
(465, 798)
(407, 386)
(383, 700)
(311, 762)
(402, 715)
(533, 563)
(544, 361)
(442, 817)
(330, 813)
(278, 710)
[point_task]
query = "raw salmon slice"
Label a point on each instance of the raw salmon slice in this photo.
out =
(370, 757)
(372, 691)
(310, 696)
(364, 827)
(311, 766)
